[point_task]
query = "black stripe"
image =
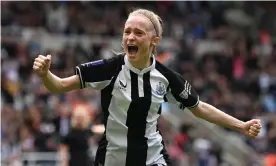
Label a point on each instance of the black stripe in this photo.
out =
(136, 122)
(106, 95)
(165, 98)
(147, 86)
(160, 109)
(134, 86)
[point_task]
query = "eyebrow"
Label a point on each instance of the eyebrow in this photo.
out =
(135, 29)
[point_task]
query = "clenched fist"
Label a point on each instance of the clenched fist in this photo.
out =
(42, 65)
(252, 128)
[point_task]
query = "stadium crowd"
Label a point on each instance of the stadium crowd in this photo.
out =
(226, 49)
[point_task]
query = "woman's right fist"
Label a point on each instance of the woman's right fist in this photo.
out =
(42, 65)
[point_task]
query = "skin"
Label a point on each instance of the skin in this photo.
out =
(139, 31)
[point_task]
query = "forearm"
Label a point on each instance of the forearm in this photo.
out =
(52, 83)
(64, 162)
(214, 115)
(64, 155)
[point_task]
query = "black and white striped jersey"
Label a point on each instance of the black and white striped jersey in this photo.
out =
(131, 100)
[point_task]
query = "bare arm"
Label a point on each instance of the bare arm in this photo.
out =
(63, 154)
(52, 82)
(98, 129)
(60, 85)
(208, 112)
(182, 93)
(214, 115)
(96, 74)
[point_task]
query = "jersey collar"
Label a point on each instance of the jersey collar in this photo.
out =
(137, 71)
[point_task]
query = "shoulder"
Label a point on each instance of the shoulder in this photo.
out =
(115, 63)
(116, 59)
(167, 72)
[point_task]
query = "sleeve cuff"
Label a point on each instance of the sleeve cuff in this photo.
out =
(194, 104)
(78, 72)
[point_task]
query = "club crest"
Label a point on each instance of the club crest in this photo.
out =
(160, 89)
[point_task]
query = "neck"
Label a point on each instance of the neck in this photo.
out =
(142, 64)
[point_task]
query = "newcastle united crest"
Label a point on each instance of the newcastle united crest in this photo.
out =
(160, 89)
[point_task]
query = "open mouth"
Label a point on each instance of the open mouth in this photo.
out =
(132, 49)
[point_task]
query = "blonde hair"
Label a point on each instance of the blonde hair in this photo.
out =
(155, 20)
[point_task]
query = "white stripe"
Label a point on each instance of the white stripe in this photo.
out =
(116, 129)
(154, 141)
(186, 86)
(189, 90)
(161, 165)
(140, 85)
(98, 85)
(81, 81)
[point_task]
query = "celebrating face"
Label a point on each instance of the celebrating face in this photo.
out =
(139, 37)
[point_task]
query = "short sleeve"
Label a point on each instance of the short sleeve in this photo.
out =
(181, 92)
(98, 74)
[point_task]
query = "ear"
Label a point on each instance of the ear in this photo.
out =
(155, 40)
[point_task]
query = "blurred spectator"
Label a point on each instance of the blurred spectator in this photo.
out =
(57, 20)
(26, 140)
(180, 146)
(74, 146)
(63, 121)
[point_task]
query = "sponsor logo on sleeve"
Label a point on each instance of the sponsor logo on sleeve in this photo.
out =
(186, 92)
